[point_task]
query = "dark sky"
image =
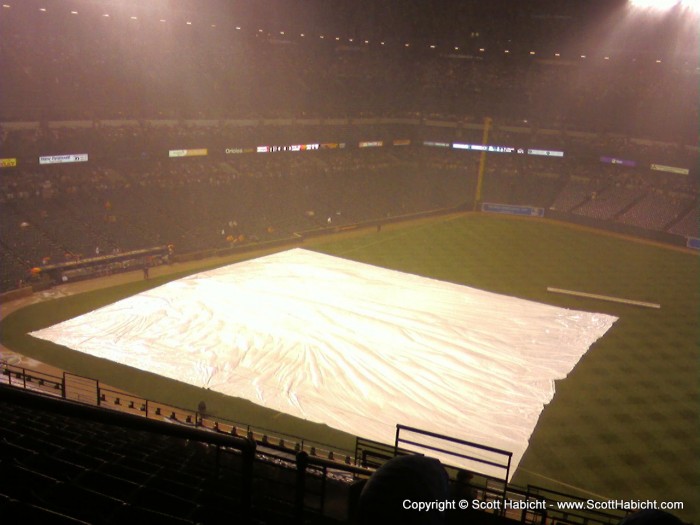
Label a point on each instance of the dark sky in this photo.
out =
(538, 23)
(607, 26)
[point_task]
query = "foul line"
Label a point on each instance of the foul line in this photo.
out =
(568, 485)
(603, 297)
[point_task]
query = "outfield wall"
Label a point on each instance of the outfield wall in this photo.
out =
(600, 224)
(616, 227)
(510, 209)
(507, 209)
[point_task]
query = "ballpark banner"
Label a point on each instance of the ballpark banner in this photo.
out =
(292, 147)
(484, 147)
(198, 152)
(509, 209)
(8, 163)
(670, 169)
(62, 159)
(619, 162)
(545, 152)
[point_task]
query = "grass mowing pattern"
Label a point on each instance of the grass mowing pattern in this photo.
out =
(624, 424)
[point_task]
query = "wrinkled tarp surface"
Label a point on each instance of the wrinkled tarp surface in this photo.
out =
(357, 347)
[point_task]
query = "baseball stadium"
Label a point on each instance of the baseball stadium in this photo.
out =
(350, 262)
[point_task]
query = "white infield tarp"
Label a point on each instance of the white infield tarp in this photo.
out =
(354, 346)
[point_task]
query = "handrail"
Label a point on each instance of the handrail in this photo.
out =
(500, 452)
(142, 408)
(83, 411)
(247, 447)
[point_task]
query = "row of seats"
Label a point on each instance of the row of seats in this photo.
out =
(84, 471)
(200, 205)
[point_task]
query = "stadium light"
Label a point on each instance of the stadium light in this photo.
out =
(42, 9)
(654, 4)
(665, 5)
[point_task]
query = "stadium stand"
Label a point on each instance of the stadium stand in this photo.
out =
(73, 462)
(609, 202)
(656, 211)
(688, 225)
(55, 213)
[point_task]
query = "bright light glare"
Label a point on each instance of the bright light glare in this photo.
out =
(664, 5)
(654, 4)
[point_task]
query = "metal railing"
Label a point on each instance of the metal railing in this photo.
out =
(312, 461)
(89, 391)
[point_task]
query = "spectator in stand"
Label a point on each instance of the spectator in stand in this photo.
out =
(400, 480)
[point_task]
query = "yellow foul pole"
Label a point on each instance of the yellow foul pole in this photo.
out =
(482, 163)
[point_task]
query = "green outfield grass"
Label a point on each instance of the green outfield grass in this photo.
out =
(624, 424)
